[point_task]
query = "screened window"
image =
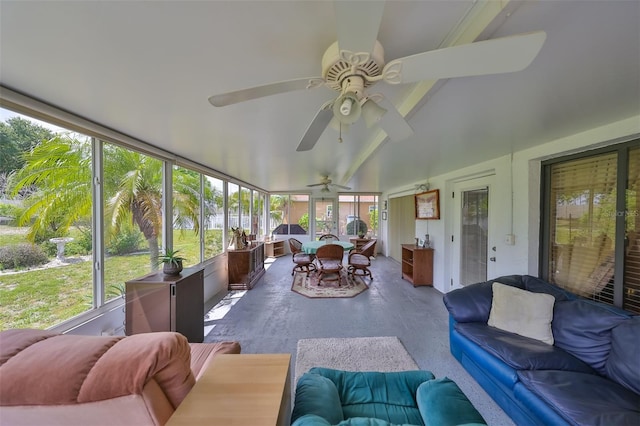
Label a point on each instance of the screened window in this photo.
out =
(289, 214)
(358, 215)
(214, 217)
(132, 214)
(46, 231)
(79, 216)
(590, 237)
(233, 205)
(186, 214)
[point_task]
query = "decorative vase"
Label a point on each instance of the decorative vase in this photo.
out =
(171, 268)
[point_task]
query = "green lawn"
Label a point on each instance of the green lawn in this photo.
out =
(45, 297)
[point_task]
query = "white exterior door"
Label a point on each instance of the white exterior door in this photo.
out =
(474, 253)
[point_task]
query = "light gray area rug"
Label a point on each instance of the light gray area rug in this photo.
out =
(353, 354)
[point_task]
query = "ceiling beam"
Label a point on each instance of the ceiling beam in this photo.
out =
(474, 22)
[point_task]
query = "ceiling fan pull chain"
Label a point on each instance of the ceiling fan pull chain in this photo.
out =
(340, 134)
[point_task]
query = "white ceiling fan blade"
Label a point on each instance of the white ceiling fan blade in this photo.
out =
(340, 186)
(317, 184)
(394, 124)
(357, 24)
(242, 95)
(316, 128)
(507, 54)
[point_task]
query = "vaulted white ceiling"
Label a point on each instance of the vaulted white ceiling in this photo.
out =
(147, 68)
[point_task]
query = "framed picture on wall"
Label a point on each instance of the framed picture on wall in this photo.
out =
(428, 205)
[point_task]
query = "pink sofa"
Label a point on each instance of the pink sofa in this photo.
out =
(55, 379)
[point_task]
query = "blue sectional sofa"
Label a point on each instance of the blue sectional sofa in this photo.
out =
(590, 375)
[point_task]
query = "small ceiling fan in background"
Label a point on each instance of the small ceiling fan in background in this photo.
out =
(356, 62)
(325, 183)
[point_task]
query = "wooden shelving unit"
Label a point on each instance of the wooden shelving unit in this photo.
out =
(274, 248)
(246, 266)
(417, 265)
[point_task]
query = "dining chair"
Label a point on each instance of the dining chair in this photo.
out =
(328, 236)
(303, 261)
(329, 258)
(360, 260)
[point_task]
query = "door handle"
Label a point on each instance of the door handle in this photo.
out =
(493, 259)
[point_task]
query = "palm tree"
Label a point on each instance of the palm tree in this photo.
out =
(60, 169)
(133, 186)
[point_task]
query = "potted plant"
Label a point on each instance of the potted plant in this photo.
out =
(171, 262)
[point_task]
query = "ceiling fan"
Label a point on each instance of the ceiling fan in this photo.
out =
(325, 183)
(356, 62)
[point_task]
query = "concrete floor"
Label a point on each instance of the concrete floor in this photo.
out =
(271, 318)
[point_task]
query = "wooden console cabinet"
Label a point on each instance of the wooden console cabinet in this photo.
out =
(417, 265)
(159, 302)
(246, 266)
(274, 248)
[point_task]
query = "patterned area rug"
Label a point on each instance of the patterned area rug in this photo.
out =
(310, 286)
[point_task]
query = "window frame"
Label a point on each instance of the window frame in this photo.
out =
(622, 150)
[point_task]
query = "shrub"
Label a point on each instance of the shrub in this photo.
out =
(356, 227)
(304, 222)
(21, 256)
(127, 241)
(10, 211)
(82, 245)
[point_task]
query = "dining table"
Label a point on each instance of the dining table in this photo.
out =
(310, 247)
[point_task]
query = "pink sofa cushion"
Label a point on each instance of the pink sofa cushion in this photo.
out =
(42, 368)
(202, 354)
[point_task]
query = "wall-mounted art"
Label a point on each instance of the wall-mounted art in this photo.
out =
(428, 205)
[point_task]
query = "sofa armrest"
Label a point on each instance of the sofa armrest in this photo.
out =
(203, 353)
(472, 303)
(43, 368)
(441, 402)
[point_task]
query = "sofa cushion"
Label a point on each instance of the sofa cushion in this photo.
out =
(537, 285)
(387, 396)
(70, 369)
(584, 399)
(315, 420)
(522, 312)
(442, 403)
(623, 364)
(472, 303)
(317, 395)
(583, 328)
(519, 352)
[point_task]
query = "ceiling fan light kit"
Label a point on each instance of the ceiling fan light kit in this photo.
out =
(346, 108)
(356, 62)
(371, 112)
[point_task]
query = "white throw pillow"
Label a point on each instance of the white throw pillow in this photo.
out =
(522, 312)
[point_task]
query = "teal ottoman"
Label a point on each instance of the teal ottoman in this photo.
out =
(334, 397)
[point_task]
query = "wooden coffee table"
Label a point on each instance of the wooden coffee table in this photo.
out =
(245, 389)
